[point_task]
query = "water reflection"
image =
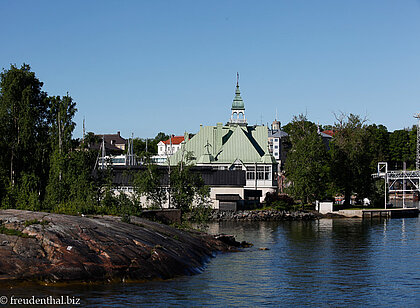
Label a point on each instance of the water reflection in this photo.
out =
(339, 262)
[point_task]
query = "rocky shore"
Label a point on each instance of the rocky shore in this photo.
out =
(44, 247)
(261, 215)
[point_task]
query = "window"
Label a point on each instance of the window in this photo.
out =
(276, 146)
(276, 154)
(267, 174)
(238, 167)
(260, 172)
(250, 173)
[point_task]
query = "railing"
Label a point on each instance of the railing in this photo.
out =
(401, 174)
(238, 120)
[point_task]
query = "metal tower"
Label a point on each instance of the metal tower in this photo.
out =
(417, 116)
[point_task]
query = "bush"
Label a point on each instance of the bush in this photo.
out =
(281, 205)
(279, 199)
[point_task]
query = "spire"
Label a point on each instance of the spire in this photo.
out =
(238, 108)
(238, 102)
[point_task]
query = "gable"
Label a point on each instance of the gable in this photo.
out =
(238, 146)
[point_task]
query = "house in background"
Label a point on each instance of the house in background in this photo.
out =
(111, 150)
(168, 148)
(234, 146)
(114, 143)
(327, 136)
(276, 141)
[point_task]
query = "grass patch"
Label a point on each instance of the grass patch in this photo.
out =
(36, 222)
(7, 231)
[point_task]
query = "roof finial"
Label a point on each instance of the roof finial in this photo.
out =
(237, 79)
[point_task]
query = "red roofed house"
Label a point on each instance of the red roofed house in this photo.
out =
(170, 146)
(329, 132)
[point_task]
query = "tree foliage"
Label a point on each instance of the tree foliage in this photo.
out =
(402, 147)
(139, 145)
(150, 183)
(307, 163)
(24, 126)
(378, 136)
(40, 166)
(61, 161)
(351, 158)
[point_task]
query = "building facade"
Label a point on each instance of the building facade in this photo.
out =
(170, 146)
(276, 138)
(235, 146)
(167, 148)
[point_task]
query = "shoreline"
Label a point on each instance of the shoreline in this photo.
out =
(45, 248)
(261, 215)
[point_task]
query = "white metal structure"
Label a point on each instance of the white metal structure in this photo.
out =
(396, 181)
(417, 116)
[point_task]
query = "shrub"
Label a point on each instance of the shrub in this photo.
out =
(281, 202)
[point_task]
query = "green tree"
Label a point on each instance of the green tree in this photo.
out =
(150, 183)
(412, 147)
(140, 149)
(90, 139)
(307, 162)
(378, 144)
(61, 117)
(188, 189)
(82, 191)
(24, 130)
(398, 145)
(402, 147)
(299, 126)
(351, 158)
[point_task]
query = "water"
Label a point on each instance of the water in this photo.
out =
(337, 263)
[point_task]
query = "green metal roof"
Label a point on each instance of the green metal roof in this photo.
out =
(225, 144)
(238, 146)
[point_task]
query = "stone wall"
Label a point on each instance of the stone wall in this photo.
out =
(260, 215)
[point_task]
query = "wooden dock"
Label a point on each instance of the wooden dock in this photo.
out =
(391, 213)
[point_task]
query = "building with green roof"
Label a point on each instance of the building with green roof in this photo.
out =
(233, 146)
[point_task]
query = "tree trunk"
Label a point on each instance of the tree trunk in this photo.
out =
(12, 178)
(347, 197)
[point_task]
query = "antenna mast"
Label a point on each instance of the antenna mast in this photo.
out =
(84, 131)
(417, 116)
(103, 151)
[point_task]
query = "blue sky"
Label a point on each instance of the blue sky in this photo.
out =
(147, 66)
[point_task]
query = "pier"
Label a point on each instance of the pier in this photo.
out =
(391, 213)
